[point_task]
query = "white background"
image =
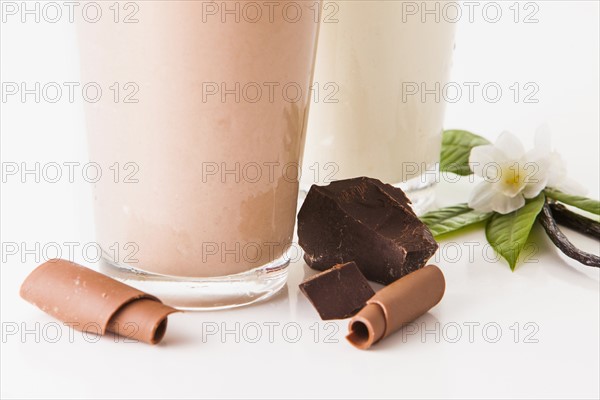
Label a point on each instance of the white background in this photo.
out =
(559, 297)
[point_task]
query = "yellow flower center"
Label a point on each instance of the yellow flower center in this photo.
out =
(514, 178)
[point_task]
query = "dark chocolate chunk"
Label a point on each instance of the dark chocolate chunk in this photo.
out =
(339, 292)
(365, 221)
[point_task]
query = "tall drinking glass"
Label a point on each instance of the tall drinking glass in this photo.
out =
(198, 133)
(380, 71)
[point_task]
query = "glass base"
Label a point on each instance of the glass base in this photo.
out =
(420, 191)
(187, 293)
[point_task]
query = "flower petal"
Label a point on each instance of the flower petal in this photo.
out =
(480, 197)
(535, 176)
(533, 189)
(485, 156)
(539, 156)
(485, 198)
(504, 204)
(557, 169)
(510, 145)
(506, 184)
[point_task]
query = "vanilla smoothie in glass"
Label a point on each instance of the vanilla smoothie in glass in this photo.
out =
(381, 66)
(199, 134)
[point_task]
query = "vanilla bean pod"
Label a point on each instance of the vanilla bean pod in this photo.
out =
(565, 217)
(561, 241)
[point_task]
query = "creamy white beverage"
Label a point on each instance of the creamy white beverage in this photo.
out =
(377, 112)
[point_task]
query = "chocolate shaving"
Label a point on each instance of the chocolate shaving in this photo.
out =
(561, 241)
(396, 305)
(94, 302)
(565, 217)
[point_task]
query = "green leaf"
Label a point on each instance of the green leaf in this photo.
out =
(508, 233)
(583, 203)
(456, 148)
(450, 219)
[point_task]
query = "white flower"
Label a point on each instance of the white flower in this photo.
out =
(512, 175)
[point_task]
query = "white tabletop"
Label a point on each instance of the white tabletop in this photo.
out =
(529, 333)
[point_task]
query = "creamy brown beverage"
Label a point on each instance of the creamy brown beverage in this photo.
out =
(200, 137)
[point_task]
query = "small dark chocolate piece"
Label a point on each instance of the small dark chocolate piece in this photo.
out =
(339, 292)
(365, 221)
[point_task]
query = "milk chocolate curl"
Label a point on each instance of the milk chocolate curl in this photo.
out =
(95, 303)
(396, 305)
